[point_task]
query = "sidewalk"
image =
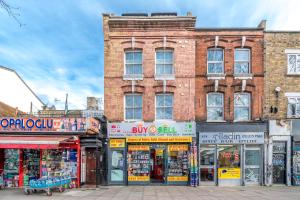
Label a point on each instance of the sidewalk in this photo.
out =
(163, 193)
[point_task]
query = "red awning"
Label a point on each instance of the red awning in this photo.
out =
(36, 142)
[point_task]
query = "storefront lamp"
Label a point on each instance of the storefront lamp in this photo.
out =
(277, 90)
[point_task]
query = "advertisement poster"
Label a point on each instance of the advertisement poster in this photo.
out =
(229, 173)
(117, 143)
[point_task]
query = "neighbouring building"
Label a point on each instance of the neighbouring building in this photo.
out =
(282, 106)
(16, 93)
(229, 89)
(149, 90)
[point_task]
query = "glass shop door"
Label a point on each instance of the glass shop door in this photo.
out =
(253, 162)
(207, 165)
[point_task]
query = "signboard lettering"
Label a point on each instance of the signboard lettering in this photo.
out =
(231, 137)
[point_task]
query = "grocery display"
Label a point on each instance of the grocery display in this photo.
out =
(138, 163)
(178, 163)
(11, 167)
(31, 165)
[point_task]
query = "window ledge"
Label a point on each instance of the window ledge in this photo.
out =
(133, 77)
(291, 74)
(293, 117)
(241, 120)
(164, 120)
(243, 76)
(164, 76)
(215, 76)
(218, 121)
(132, 120)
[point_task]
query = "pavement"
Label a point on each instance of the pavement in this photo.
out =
(162, 193)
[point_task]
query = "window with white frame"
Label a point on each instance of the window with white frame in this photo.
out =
(133, 62)
(293, 63)
(215, 107)
(241, 61)
(293, 107)
(133, 107)
(164, 106)
(242, 106)
(164, 61)
(215, 61)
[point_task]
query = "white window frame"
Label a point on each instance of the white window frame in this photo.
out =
(297, 107)
(288, 63)
(132, 76)
(164, 107)
(155, 68)
(207, 107)
(242, 61)
(249, 106)
(207, 62)
(132, 94)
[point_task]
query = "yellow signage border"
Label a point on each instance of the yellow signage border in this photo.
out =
(160, 139)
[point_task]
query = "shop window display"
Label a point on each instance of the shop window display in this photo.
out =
(138, 163)
(11, 167)
(178, 163)
(31, 165)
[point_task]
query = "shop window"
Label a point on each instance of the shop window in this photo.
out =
(133, 107)
(215, 107)
(293, 107)
(164, 106)
(241, 106)
(133, 62)
(241, 61)
(229, 156)
(117, 162)
(164, 62)
(138, 162)
(293, 63)
(215, 61)
(178, 161)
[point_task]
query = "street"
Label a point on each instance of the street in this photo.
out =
(163, 193)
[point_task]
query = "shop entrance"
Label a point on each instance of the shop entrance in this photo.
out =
(157, 163)
(207, 164)
(91, 166)
(279, 163)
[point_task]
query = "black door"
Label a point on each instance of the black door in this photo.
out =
(279, 163)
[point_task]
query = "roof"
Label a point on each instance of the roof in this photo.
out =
(11, 70)
(6, 110)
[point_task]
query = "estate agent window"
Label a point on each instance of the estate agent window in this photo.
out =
(294, 107)
(241, 106)
(133, 62)
(293, 63)
(164, 106)
(164, 61)
(215, 107)
(215, 61)
(241, 61)
(133, 107)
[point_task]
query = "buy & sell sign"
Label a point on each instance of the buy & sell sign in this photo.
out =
(116, 143)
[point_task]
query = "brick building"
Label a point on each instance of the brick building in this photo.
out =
(149, 89)
(229, 105)
(282, 95)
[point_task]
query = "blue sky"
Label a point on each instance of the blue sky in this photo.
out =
(59, 50)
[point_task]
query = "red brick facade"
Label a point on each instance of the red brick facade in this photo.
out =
(149, 34)
(228, 40)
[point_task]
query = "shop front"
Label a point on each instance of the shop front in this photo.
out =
(296, 152)
(150, 153)
(231, 158)
(32, 148)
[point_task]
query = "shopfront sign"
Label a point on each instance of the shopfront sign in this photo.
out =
(229, 173)
(177, 178)
(117, 143)
(138, 178)
(151, 129)
(138, 148)
(159, 139)
(48, 124)
(231, 137)
(178, 147)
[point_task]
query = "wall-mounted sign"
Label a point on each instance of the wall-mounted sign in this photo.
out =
(231, 137)
(117, 143)
(151, 129)
(159, 139)
(229, 173)
(47, 124)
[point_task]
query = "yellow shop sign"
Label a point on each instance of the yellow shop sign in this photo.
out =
(138, 148)
(177, 178)
(159, 139)
(117, 143)
(229, 173)
(178, 147)
(138, 178)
